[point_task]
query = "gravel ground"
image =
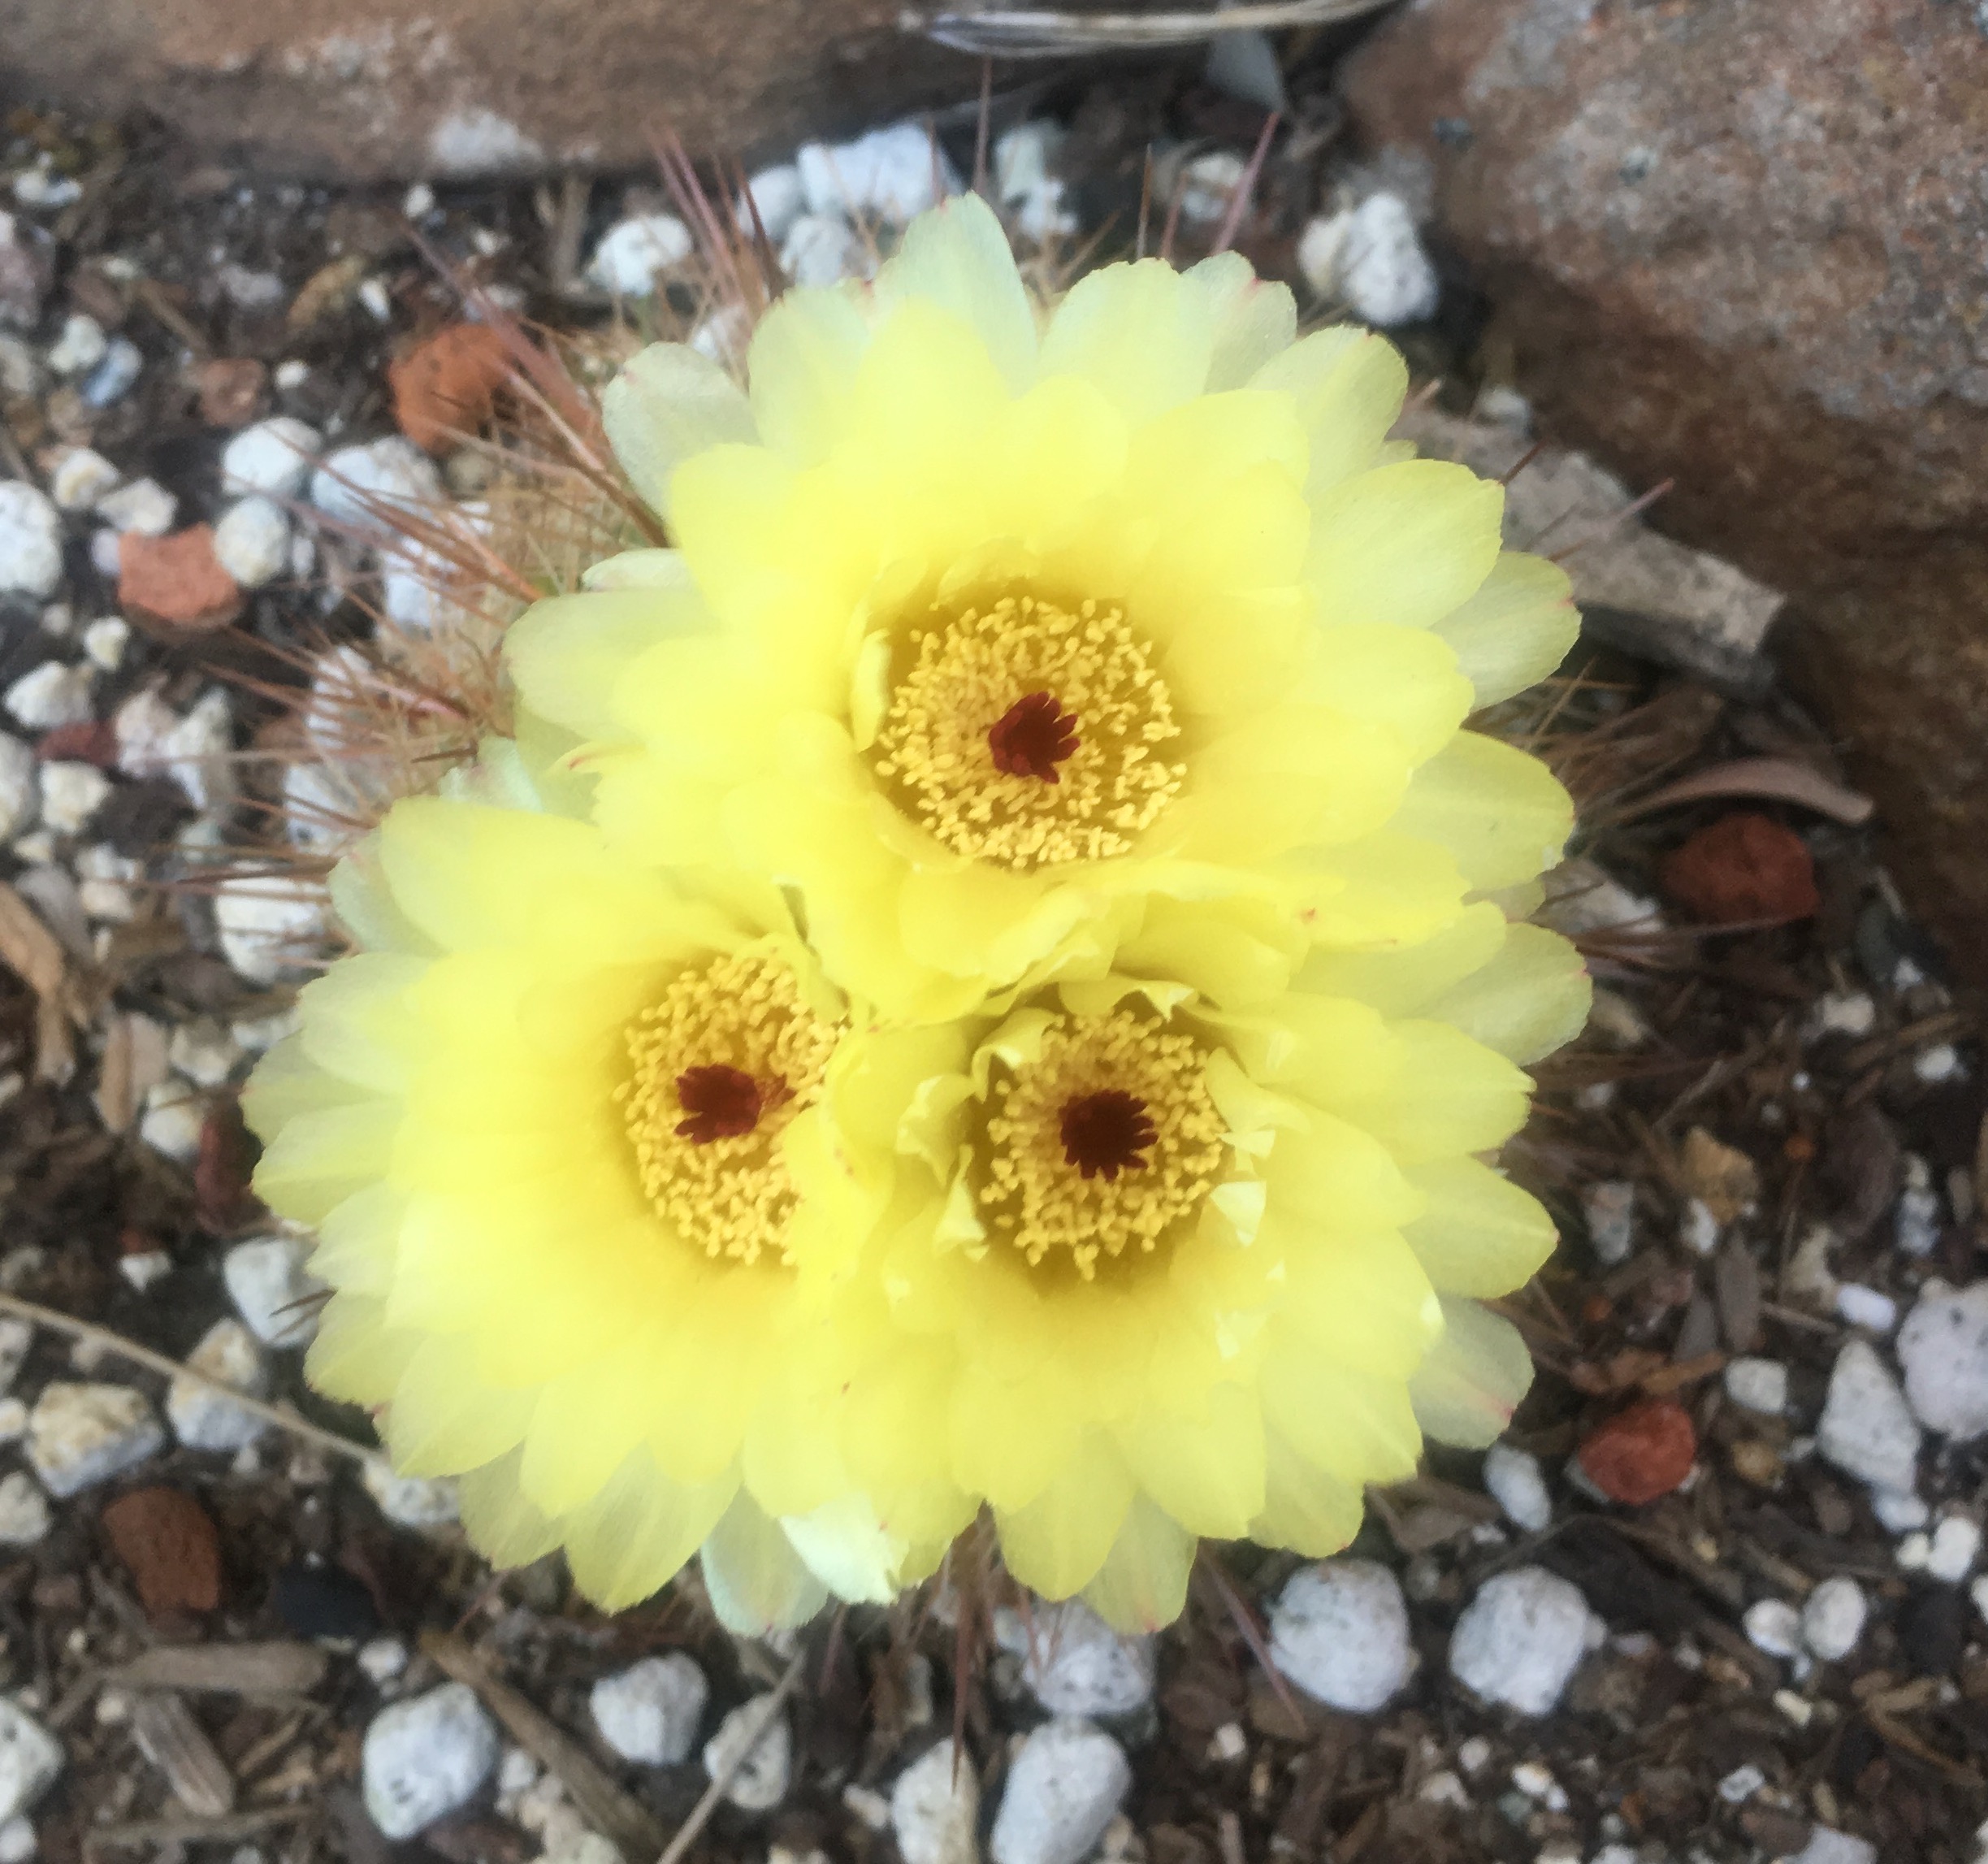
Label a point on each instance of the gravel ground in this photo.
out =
(1711, 1599)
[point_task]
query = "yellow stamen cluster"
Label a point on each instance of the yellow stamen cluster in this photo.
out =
(964, 675)
(730, 1197)
(1034, 1197)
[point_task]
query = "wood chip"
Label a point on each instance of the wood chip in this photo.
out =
(169, 1737)
(277, 1668)
(33, 954)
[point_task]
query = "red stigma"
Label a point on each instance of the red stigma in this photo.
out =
(1105, 1133)
(1033, 737)
(722, 1103)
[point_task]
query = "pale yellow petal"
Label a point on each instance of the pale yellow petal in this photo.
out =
(1478, 1234)
(1473, 1379)
(1254, 318)
(1501, 814)
(1348, 385)
(957, 257)
(667, 405)
(445, 1417)
(802, 370)
(1529, 999)
(1304, 1508)
(1138, 332)
(502, 1526)
(756, 1582)
(635, 1536)
(1206, 1472)
(1516, 629)
(1405, 544)
(1057, 1543)
(567, 655)
(1142, 1584)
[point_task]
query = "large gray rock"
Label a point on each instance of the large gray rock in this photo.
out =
(1738, 247)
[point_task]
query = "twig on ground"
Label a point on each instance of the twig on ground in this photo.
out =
(700, 1813)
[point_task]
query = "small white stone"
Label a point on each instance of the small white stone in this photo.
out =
(1026, 180)
(228, 1354)
(650, 1711)
(267, 1280)
(778, 197)
(820, 250)
(1513, 1479)
(21, 788)
(1943, 1349)
(1520, 1641)
(79, 1435)
(1758, 1385)
(1741, 1784)
(760, 1784)
(1827, 1846)
(18, 1842)
(104, 641)
(1208, 187)
(80, 347)
(106, 552)
(44, 190)
(633, 252)
(1370, 258)
(1899, 1510)
(1913, 1553)
(1076, 1665)
(1609, 1208)
(1939, 1062)
(53, 695)
(1833, 1618)
(272, 457)
(425, 1757)
(30, 1759)
(1698, 1229)
(122, 364)
(293, 372)
(1339, 1630)
(935, 1807)
(145, 1269)
(868, 1804)
(269, 926)
(1956, 1546)
(1915, 1223)
(252, 542)
(16, 1339)
(143, 508)
(383, 1659)
(104, 880)
(1774, 1626)
(1867, 1429)
(24, 1510)
(1866, 1307)
(411, 1501)
(1475, 1755)
(204, 1052)
(1844, 1012)
(81, 477)
(362, 487)
(1445, 1788)
(71, 793)
(1227, 1743)
(892, 175)
(1067, 1781)
(174, 1117)
(30, 542)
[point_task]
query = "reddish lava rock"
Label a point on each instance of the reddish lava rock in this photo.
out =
(90, 741)
(176, 581)
(168, 1540)
(448, 385)
(1641, 1452)
(1744, 868)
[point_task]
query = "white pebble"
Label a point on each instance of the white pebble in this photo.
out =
(1956, 1544)
(18, 1842)
(272, 457)
(822, 250)
(363, 488)
(143, 508)
(632, 252)
(779, 199)
(1513, 1479)
(1339, 1630)
(81, 477)
(1209, 184)
(1076, 1665)
(1943, 1349)
(267, 1280)
(1899, 1510)
(1938, 1063)
(51, 695)
(24, 1510)
(104, 642)
(1915, 1223)
(107, 552)
(411, 1501)
(71, 793)
(269, 926)
(890, 173)
(1520, 1641)
(1741, 1784)
(1758, 1385)
(760, 1784)
(1844, 1012)
(1370, 258)
(21, 788)
(1698, 1229)
(30, 1759)
(935, 1807)
(228, 1353)
(1833, 1618)
(426, 1758)
(122, 364)
(16, 1338)
(252, 542)
(1867, 1429)
(1609, 1210)
(79, 1435)
(1774, 1626)
(204, 1052)
(80, 347)
(30, 541)
(1827, 1845)
(1067, 1783)
(650, 1711)
(172, 1120)
(1866, 1307)
(385, 1658)
(1026, 179)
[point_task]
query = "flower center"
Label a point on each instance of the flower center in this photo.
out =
(1102, 1145)
(1028, 734)
(721, 1065)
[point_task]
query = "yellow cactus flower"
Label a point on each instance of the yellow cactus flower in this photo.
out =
(1154, 1271)
(559, 1126)
(982, 627)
